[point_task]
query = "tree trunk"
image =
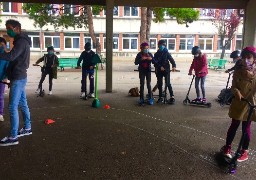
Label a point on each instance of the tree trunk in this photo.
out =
(143, 25)
(91, 29)
(149, 19)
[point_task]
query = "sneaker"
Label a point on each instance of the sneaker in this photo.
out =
(91, 95)
(1, 117)
(151, 101)
(37, 91)
(197, 100)
(82, 95)
(9, 141)
(243, 156)
(141, 102)
(226, 151)
(172, 100)
(160, 100)
(204, 100)
(24, 132)
(50, 93)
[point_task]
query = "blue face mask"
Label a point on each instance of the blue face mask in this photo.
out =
(161, 47)
(50, 53)
(145, 51)
(1, 49)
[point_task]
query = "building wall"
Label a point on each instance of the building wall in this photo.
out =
(127, 35)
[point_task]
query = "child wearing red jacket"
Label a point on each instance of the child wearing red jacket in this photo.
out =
(199, 65)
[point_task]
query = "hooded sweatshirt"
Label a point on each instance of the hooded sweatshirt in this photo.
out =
(19, 57)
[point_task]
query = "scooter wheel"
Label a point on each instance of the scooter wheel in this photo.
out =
(185, 102)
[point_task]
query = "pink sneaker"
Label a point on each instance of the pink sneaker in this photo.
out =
(244, 156)
(204, 100)
(226, 151)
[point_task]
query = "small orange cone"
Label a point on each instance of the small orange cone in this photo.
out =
(106, 106)
(49, 121)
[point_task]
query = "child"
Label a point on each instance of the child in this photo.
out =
(235, 55)
(87, 69)
(243, 86)
(161, 61)
(144, 60)
(199, 65)
(51, 62)
(3, 67)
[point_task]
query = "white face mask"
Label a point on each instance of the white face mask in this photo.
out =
(197, 55)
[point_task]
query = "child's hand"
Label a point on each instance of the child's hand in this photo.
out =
(239, 96)
(173, 69)
(189, 73)
(149, 58)
(144, 58)
(91, 67)
(162, 68)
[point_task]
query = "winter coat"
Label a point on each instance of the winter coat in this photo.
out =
(199, 64)
(162, 59)
(144, 65)
(245, 83)
(51, 63)
(87, 58)
(19, 57)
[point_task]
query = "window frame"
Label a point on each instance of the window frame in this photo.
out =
(104, 40)
(47, 36)
(186, 43)
(32, 42)
(130, 39)
(227, 50)
(72, 42)
(205, 39)
(130, 14)
(10, 8)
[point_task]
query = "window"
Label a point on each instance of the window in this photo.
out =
(72, 41)
(71, 9)
(130, 11)
(205, 42)
(219, 47)
(207, 12)
(115, 11)
(52, 39)
(238, 42)
(186, 42)
(9, 7)
(130, 41)
(153, 43)
(54, 9)
(35, 40)
(115, 41)
(170, 40)
(87, 38)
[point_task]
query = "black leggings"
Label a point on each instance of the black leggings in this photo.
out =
(143, 75)
(50, 73)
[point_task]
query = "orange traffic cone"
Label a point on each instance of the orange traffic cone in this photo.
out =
(49, 121)
(106, 106)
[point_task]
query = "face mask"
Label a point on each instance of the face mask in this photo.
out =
(50, 53)
(197, 55)
(145, 51)
(161, 48)
(249, 63)
(1, 49)
(11, 33)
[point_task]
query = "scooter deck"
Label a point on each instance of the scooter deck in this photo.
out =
(203, 104)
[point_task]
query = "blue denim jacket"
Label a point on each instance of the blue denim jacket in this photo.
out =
(3, 67)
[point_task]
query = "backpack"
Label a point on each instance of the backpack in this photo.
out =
(134, 92)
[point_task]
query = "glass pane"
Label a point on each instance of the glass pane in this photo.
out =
(48, 41)
(183, 44)
(208, 44)
(67, 8)
(171, 44)
(134, 11)
(6, 7)
(94, 45)
(36, 42)
(56, 42)
(126, 11)
(87, 40)
(152, 43)
(115, 43)
(126, 43)
(68, 43)
(228, 45)
(201, 44)
(115, 11)
(76, 43)
(219, 46)
(238, 44)
(133, 43)
(190, 44)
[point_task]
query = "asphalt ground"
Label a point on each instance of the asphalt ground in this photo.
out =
(126, 141)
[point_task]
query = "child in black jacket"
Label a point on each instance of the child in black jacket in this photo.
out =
(144, 60)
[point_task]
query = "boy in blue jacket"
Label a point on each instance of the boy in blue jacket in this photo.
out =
(144, 60)
(3, 78)
(162, 60)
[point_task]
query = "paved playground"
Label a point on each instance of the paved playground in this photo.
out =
(126, 141)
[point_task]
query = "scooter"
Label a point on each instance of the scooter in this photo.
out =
(187, 101)
(232, 163)
(225, 96)
(41, 92)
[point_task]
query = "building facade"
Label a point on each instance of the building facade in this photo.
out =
(70, 42)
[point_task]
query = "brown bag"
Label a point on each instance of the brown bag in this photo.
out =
(134, 92)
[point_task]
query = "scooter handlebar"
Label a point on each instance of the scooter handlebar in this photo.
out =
(248, 102)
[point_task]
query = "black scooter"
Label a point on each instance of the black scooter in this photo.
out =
(187, 101)
(41, 92)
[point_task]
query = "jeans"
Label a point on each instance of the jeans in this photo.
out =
(202, 79)
(143, 75)
(168, 85)
(232, 133)
(85, 73)
(44, 73)
(2, 87)
(18, 98)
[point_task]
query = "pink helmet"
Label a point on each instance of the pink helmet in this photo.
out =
(144, 44)
(249, 50)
